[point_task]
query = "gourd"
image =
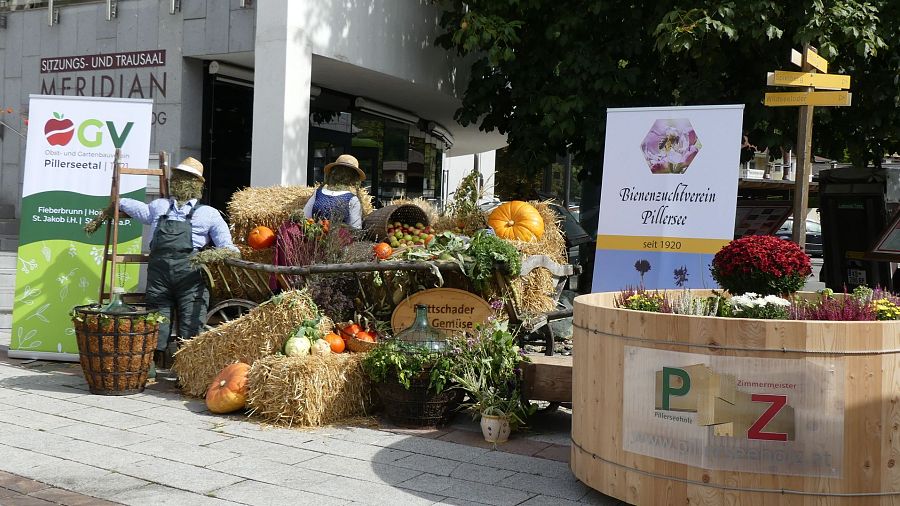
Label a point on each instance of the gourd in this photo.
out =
(320, 347)
(383, 250)
(297, 346)
(518, 221)
(261, 237)
(365, 336)
(337, 344)
(228, 391)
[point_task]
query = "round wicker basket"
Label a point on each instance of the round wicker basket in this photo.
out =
(115, 350)
(378, 221)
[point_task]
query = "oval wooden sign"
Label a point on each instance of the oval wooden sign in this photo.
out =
(449, 309)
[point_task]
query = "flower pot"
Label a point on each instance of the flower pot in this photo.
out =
(495, 428)
(840, 381)
(418, 406)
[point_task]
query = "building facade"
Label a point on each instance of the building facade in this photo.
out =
(263, 92)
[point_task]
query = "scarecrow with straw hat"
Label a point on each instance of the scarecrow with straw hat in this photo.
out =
(337, 200)
(180, 227)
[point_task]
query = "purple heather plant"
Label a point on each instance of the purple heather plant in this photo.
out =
(846, 308)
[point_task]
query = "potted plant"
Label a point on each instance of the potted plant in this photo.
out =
(486, 366)
(413, 383)
(499, 411)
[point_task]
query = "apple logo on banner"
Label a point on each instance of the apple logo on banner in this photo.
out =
(59, 131)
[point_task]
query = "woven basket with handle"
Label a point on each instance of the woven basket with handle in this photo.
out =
(378, 221)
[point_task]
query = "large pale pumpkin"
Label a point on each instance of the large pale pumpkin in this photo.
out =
(228, 391)
(518, 221)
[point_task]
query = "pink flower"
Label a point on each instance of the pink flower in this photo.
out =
(670, 146)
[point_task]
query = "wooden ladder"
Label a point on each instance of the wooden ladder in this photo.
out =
(110, 253)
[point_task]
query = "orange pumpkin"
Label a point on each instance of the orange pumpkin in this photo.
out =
(365, 336)
(261, 237)
(518, 221)
(336, 342)
(383, 250)
(228, 391)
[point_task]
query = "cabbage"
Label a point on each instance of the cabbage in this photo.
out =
(296, 347)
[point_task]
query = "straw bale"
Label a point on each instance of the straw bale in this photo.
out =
(309, 391)
(537, 290)
(259, 333)
(271, 206)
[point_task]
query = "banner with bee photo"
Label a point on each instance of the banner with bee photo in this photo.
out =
(69, 154)
(669, 194)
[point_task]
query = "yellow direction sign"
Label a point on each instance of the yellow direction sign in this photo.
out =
(812, 57)
(806, 79)
(819, 63)
(820, 98)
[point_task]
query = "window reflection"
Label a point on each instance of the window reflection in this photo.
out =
(399, 159)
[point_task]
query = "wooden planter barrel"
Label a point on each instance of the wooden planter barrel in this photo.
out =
(863, 362)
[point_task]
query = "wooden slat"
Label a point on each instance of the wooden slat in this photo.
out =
(141, 172)
(133, 259)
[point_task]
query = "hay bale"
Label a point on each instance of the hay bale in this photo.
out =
(259, 333)
(271, 206)
(537, 290)
(309, 391)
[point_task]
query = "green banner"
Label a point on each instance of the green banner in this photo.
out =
(69, 160)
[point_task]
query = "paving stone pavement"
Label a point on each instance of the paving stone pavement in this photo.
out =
(61, 445)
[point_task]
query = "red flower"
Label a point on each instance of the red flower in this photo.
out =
(763, 264)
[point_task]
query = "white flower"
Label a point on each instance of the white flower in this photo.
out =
(775, 300)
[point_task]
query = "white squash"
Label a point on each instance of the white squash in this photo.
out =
(320, 347)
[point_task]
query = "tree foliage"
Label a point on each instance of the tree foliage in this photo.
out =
(545, 72)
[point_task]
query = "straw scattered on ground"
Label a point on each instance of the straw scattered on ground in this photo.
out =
(309, 391)
(259, 333)
(271, 206)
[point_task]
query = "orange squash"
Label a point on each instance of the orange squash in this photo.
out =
(365, 336)
(228, 391)
(518, 221)
(261, 237)
(337, 344)
(383, 250)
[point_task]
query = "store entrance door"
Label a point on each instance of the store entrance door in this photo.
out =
(227, 138)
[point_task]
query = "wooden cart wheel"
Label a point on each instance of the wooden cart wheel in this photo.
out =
(228, 310)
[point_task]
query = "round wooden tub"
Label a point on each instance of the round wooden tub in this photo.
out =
(674, 409)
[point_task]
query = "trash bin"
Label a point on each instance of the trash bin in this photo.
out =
(855, 205)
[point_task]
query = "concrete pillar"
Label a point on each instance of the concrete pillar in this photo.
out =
(283, 69)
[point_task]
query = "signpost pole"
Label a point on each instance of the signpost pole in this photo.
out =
(804, 167)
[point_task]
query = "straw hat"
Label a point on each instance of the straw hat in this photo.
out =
(346, 161)
(192, 166)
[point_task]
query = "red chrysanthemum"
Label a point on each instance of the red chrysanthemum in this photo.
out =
(763, 264)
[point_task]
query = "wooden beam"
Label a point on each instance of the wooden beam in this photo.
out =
(804, 167)
(547, 378)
